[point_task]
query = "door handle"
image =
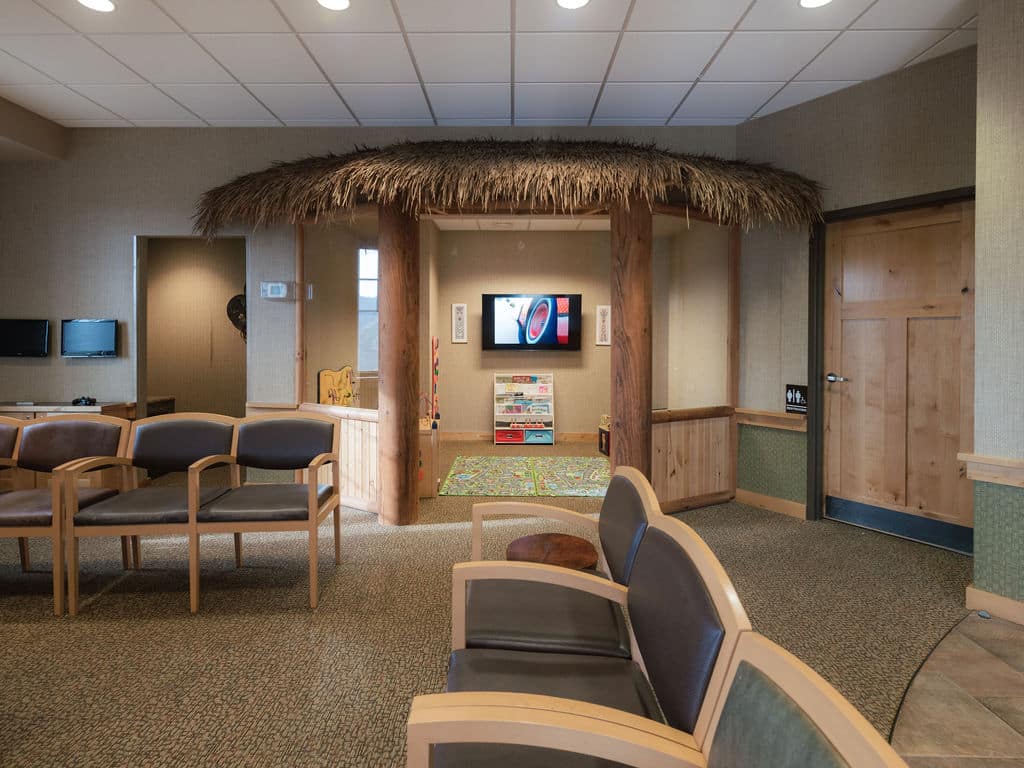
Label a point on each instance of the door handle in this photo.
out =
(833, 378)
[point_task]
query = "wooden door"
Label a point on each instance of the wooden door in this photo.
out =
(899, 328)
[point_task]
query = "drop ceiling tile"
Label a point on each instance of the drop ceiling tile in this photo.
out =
(219, 103)
(55, 102)
(917, 14)
(13, 72)
(668, 56)
(595, 224)
(169, 123)
(67, 58)
(260, 58)
(361, 16)
(548, 16)
(800, 92)
(321, 123)
(863, 55)
(789, 15)
(563, 57)
(640, 100)
(302, 102)
(463, 58)
(664, 15)
(130, 16)
(706, 121)
(473, 122)
(20, 17)
(95, 123)
(471, 100)
(727, 99)
(512, 224)
(362, 58)
(627, 121)
(244, 123)
(226, 15)
(136, 102)
(165, 58)
(962, 38)
(555, 101)
(551, 122)
(751, 57)
(972, 24)
(397, 122)
(386, 101)
(556, 224)
(456, 15)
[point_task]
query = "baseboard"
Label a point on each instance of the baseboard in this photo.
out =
(695, 502)
(926, 530)
(772, 503)
(1001, 607)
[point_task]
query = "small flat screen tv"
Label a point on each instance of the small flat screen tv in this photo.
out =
(24, 338)
(88, 338)
(532, 321)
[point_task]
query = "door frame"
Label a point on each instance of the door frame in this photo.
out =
(816, 326)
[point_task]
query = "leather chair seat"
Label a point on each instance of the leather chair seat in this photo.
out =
(35, 506)
(511, 756)
(263, 503)
(610, 682)
(153, 505)
(532, 616)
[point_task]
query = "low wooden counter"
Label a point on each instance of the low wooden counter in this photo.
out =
(692, 456)
(124, 410)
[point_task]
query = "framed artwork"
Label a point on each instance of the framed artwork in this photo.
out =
(603, 330)
(460, 334)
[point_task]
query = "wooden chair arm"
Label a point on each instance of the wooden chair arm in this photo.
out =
(516, 571)
(76, 467)
(323, 458)
(209, 461)
(195, 470)
(6, 463)
(521, 509)
(547, 722)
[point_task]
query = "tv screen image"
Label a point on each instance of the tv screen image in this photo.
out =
(88, 338)
(531, 321)
(24, 338)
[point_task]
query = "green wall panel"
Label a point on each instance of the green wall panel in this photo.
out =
(773, 462)
(999, 539)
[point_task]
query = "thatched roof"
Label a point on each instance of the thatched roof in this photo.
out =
(494, 176)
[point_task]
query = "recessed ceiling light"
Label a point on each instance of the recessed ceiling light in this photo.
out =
(813, 3)
(104, 6)
(334, 5)
(572, 5)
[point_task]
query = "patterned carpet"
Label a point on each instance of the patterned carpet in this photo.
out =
(256, 679)
(527, 476)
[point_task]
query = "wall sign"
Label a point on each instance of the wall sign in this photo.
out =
(796, 398)
(603, 331)
(460, 334)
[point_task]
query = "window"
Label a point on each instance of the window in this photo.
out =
(367, 349)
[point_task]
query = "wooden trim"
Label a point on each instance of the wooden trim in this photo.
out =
(999, 606)
(989, 469)
(667, 415)
(794, 422)
(252, 408)
(520, 509)
(696, 502)
(344, 412)
(958, 195)
(772, 503)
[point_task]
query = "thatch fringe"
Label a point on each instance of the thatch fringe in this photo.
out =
(492, 175)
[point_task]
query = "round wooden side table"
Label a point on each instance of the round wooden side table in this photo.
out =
(554, 549)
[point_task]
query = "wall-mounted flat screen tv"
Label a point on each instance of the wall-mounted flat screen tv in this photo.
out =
(531, 321)
(88, 338)
(24, 338)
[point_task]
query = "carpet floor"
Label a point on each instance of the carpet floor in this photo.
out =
(257, 679)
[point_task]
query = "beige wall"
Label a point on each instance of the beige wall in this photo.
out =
(195, 353)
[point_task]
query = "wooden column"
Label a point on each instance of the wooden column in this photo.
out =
(398, 308)
(631, 336)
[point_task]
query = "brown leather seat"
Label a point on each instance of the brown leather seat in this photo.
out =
(35, 506)
(155, 505)
(263, 502)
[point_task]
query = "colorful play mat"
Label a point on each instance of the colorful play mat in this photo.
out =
(527, 476)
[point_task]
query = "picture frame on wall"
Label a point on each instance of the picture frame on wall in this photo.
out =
(603, 326)
(460, 332)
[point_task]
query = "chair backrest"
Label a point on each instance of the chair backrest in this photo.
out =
(284, 441)
(628, 505)
(9, 435)
(51, 441)
(686, 619)
(777, 712)
(170, 443)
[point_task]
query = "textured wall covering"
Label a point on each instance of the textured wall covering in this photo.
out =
(67, 228)
(999, 539)
(773, 462)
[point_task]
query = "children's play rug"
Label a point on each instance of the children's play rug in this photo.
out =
(527, 476)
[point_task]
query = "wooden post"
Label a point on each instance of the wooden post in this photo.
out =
(300, 314)
(632, 286)
(398, 310)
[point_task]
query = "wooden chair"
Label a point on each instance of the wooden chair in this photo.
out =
(544, 616)
(164, 444)
(302, 442)
(50, 445)
(8, 440)
(776, 713)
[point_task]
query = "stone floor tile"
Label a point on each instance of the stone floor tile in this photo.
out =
(974, 668)
(1010, 709)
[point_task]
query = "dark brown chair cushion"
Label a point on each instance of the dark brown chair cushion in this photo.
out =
(511, 756)
(263, 503)
(621, 526)
(8, 435)
(49, 444)
(154, 505)
(174, 444)
(35, 506)
(283, 443)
